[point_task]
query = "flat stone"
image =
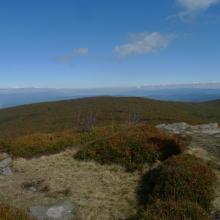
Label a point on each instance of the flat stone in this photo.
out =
(59, 211)
(5, 162)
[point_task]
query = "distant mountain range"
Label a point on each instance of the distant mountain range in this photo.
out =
(179, 92)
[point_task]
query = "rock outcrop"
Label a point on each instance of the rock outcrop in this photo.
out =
(59, 211)
(5, 164)
(184, 128)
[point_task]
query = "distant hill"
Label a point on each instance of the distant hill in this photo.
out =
(187, 93)
(64, 115)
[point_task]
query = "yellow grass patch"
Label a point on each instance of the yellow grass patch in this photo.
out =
(100, 192)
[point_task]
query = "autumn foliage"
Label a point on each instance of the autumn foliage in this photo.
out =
(133, 148)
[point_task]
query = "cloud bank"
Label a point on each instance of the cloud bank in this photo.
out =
(143, 43)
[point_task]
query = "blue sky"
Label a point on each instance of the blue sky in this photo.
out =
(108, 43)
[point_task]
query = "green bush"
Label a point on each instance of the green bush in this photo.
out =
(173, 210)
(137, 146)
(182, 177)
(9, 213)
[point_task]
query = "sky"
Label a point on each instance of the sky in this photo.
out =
(108, 43)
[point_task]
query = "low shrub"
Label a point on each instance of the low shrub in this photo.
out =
(171, 210)
(105, 152)
(37, 144)
(183, 177)
(9, 213)
(134, 141)
(137, 146)
(40, 143)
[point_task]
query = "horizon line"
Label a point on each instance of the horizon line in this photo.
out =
(145, 86)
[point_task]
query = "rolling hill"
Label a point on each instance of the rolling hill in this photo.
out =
(64, 115)
(114, 159)
(10, 97)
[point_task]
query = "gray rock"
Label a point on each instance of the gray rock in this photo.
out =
(59, 211)
(211, 126)
(175, 127)
(184, 128)
(6, 171)
(210, 131)
(5, 162)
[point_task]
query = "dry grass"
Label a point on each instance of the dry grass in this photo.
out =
(10, 213)
(100, 192)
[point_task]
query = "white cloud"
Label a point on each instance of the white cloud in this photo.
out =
(81, 50)
(143, 43)
(192, 7)
(195, 5)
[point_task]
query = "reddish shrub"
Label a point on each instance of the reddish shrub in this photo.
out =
(133, 148)
(182, 177)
